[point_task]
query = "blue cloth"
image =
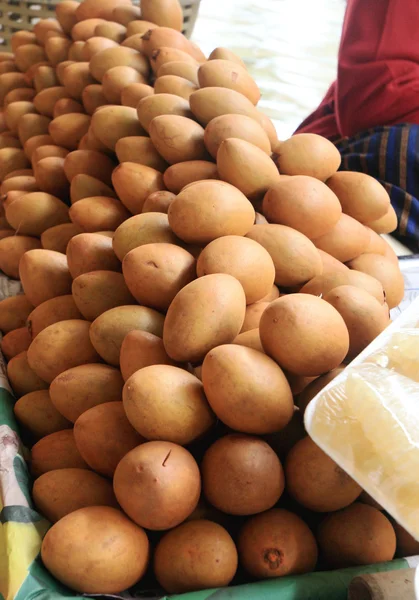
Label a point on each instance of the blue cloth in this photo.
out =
(391, 155)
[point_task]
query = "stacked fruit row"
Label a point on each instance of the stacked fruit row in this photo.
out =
(183, 302)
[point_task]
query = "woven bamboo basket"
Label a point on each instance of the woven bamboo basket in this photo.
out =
(23, 14)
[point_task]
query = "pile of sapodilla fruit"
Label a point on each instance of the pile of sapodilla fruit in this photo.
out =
(181, 296)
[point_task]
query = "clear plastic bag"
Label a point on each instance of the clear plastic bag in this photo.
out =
(367, 419)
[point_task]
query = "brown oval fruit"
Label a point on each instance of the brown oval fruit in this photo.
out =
(50, 176)
(111, 30)
(38, 416)
(244, 259)
(165, 13)
(104, 436)
(323, 284)
(166, 54)
(148, 228)
(142, 349)
(155, 273)
(361, 196)
(133, 93)
(56, 238)
(15, 342)
(56, 451)
(211, 562)
(277, 543)
(75, 78)
(308, 154)
(33, 125)
(364, 316)
(20, 38)
(80, 388)
(385, 271)
(43, 28)
(86, 186)
(295, 257)
(108, 331)
(357, 535)
(173, 84)
(44, 275)
(98, 213)
(178, 139)
(206, 210)
(116, 79)
(345, 241)
(211, 102)
(22, 377)
(111, 123)
(179, 68)
(28, 55)
(61, 308)
(385, 224)
(228, 74)
(35, 142)
(45, 76)
(13, 312)
(117, 56)
(12, 159)
(70, 545)
(89, 162)
(173, 500)
(249, 339)
(93, 98)
(204, 314)
(35, 212)
(247, 167)
(15, 110)
(235, 126)
(253, 315)
(141, 150)
(156, 105)
(316, 481)
(57, 49)
(134, 183)
(303, 203)
(47, 151)
(61, 492)
(89, 252)
(125, 14)
(242, 475)
(67, 130)
(66, 14)
(71, 347)
(10, 82)
(247, 390)
(98, 291)
(181, 416)
(304, 334)
(182, 174)
(166, 36)
(82, 31)
(226, 54)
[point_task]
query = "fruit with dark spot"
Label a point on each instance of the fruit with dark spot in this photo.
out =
(277, 543)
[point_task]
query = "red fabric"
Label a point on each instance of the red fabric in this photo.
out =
(378, 70)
